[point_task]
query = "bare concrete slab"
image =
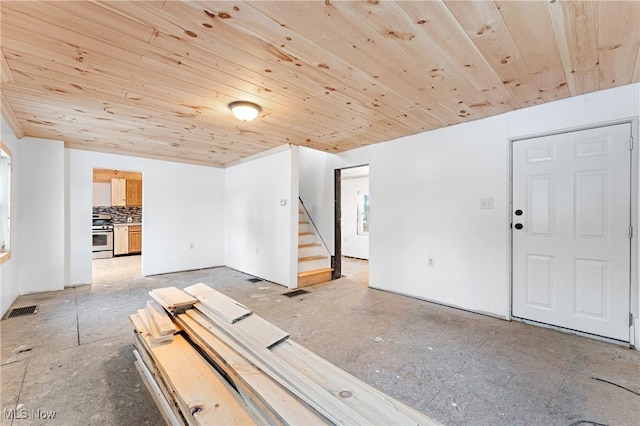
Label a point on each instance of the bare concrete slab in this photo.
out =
(455, 366)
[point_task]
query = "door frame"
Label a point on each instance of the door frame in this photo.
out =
(336, 260)
(634, 287)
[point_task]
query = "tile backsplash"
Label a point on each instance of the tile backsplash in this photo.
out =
(120, 214)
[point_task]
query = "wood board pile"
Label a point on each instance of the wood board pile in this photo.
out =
(208, 360)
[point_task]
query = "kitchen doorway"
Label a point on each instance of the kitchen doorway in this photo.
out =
(117, 224)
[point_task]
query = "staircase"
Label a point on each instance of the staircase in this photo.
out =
(314, 260)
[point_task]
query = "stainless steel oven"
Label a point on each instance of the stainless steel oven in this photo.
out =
(102, 236)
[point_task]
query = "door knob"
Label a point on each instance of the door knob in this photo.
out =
(518, 212)
(518, 226)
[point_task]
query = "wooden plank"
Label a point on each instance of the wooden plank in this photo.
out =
(378, 407)
(159, 316)
(619, 41)
(6, 76)
(575, 28)
(150, 326)
(487, 29)
(141, 344)
(263, 332)
(530, 27)
(198, 386)
(156, 393)
(311, 393)
(172, 298)
(287, 408)
(218, 303)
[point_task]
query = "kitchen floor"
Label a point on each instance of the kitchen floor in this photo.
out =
(116, 268)
(73, 359)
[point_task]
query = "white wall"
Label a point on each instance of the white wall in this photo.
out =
(425, 199)
(183, 204)
(261, 234)
(41, 196)
(354, 181)
(37, 234)
(9, 271)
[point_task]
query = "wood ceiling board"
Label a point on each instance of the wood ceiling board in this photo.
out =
(619, 42)
(318, 86)
(329, 75)
(437, 23)
(486, 28)
(575, 27)
(454, 92)
(353, 42)
(531, 28)
(7, 75)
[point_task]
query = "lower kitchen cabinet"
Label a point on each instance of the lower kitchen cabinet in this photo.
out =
(135, 239)
(120, 240)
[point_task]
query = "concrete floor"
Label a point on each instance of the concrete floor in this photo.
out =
(74, 356)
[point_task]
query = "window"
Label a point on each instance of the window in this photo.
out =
(5, 203)
(363, 213)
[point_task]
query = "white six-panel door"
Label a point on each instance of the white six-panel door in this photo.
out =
(571, 253)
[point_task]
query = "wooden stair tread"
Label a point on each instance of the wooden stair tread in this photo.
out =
(303, 223)
(308, 245)
(311, 258)
(314, 272)
(305, 233)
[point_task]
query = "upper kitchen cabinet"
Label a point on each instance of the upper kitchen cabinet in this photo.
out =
(126, 187)
(134, 193)
(118, 192)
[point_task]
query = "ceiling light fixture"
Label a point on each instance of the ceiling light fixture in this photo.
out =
(245, 111)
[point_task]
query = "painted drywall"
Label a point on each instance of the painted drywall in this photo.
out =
(425, 199)
(9, 271)
(37, 262)
(183, 216)
(261, 233)
(354, 182)
(40, 197)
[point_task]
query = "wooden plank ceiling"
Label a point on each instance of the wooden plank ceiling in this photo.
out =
(154, 78)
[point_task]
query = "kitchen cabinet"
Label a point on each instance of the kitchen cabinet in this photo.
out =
(118, 192)
(134, 193)
(126, 192)
(120, 240)
(135, 239)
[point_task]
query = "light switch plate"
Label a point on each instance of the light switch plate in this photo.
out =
(486, 203)
(283, 202)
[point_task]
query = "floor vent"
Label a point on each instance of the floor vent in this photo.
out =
(295, 293)
(255, 280)
(25, 310)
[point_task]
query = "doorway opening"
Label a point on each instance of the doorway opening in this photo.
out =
(117, 224)
(352, 223)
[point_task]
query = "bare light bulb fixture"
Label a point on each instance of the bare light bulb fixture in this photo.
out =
(245, 111)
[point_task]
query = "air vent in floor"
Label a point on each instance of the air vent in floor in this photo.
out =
(25, 310)
(255, 280)
(295, 293)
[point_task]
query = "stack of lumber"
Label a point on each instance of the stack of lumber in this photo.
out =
(206, 359)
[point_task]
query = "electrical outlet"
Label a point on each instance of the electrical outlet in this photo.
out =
(192, 246)
(257, 251)
(431, 262)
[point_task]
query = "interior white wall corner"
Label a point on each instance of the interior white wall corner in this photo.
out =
(258, 228)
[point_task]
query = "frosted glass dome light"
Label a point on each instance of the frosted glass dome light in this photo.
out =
(245, 111)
